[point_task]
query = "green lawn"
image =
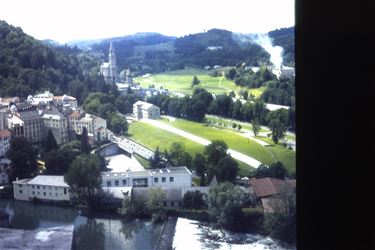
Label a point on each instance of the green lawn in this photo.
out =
(229, 122)
(281, 153)
(180, 81)
(144, 162)
(232, 139)
(151, 137)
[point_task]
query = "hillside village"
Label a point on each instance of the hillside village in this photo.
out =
(86, 153)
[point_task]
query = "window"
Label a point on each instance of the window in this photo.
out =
(33, 192)
(56, 194)
(123, 182)
(44, 194)
(20, 185)
(32, 186)
(37, 187)
(108, 183)
(49, 193)
(140, 182)
(116, 183)
(163, 179)
(165, 203)
(56, 188)
(44, 187)
(156, 179)
(171, 179)
(38, 193)
(64, 190)
(49, 188)
(20, 191)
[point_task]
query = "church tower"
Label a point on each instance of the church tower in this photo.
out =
(112, 64)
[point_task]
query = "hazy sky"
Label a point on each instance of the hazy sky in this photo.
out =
(66, 20)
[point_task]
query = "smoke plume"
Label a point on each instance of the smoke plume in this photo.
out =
(266, 43)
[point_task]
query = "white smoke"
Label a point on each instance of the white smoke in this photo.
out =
(266, 43)
(275, 51)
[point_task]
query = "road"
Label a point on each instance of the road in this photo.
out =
(235, 154)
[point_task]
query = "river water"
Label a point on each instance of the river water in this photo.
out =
(114, 233)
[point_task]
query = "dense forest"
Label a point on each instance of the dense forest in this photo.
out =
(28, 66)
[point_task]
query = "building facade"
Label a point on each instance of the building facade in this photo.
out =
(33, 126)
(42, 187)
(168, 177)
(145, 110)
(15, 124)
(58, 124)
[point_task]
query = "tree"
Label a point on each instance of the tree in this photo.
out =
(277, 130)
(193, 200)
(58, 161)
(85, 146)
(275, 170)
(176, 152)
(226, 169)
(231, 74)
(195, 81)
(186, 160)
(23, 157)
(50, 142)
(118, 124)
(199, 165)
(215, 151)
(224, 204)
(84, 178)
(245, 95)
(256, 126)
(156, 161)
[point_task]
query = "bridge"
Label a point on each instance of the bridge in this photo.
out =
(132, 147)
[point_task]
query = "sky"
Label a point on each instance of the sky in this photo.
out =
(67, 20)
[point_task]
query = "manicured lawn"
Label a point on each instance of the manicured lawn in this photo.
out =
(151, 137)
(283, 154)
(180, 81)
(228, 122)
(232, 139)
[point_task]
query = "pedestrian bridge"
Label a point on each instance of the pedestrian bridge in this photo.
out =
(132, 147)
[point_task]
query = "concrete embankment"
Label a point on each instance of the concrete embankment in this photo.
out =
(167, 234)
(55, 238)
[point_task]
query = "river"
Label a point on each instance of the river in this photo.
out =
(115, 233)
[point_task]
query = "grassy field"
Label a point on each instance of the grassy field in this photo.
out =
(180, 81)
(239, 143)
(151, 137)
(228, 123)
(257, 92)
(233, 140)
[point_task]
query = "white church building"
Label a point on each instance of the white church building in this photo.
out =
(109, 69)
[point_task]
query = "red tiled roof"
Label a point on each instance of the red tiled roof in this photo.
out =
(264, 187)
(75, 114)
(4, 133)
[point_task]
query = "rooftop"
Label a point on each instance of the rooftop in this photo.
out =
(145, 105)
(4, 133)
(49, 180)
(264, 187)
(29, 115)
(22, 181)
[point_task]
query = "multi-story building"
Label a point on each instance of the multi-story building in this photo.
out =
(42, 187)
(58, 124)
(168, 177)
(65, 100)
(33, 126)
(15, 124)
(4, 142)
(96, 126)
(145, 110)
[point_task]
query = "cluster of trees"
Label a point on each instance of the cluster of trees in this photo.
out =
(281, 91)
(247, 78)
(27, 66)
(194, 108)
(213, 162)
(107, 106)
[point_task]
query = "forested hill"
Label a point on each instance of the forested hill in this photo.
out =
(285, 38)
(153, 52)
(28, 66)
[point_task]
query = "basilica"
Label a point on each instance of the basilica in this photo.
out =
(109, 69)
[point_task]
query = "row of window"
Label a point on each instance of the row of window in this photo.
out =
(163, 179)
(44, 193)
(142, 181)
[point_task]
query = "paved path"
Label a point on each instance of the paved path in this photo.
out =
(235, 154)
